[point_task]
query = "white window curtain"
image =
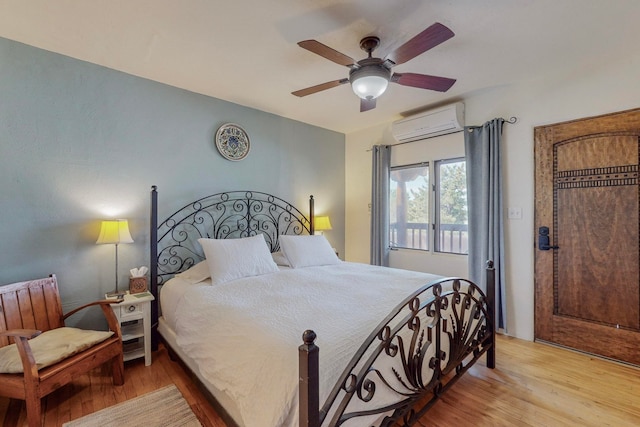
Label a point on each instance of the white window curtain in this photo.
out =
(381, 156)
(484, 198)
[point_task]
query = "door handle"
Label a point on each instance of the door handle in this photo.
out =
(543, 239)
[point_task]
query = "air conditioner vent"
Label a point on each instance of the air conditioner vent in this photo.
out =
(431, 123)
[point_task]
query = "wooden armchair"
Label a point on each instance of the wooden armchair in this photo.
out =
(28, 309)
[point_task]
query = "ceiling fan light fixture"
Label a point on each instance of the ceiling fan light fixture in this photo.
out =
(369, 82)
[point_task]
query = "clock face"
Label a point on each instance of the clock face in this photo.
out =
(232, 142)
(137, 285)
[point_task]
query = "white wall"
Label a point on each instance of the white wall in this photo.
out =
(550, 99)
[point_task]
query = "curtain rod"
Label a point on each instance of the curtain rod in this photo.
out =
(512, 120)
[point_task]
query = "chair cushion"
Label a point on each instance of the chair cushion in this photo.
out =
(51, 347)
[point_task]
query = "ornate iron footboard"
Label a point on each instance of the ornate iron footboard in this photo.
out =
(414, 355)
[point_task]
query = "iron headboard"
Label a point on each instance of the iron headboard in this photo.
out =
(228, 215)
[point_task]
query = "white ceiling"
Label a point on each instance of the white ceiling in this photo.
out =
(245, 51)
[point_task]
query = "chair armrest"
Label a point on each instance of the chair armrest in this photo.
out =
(107, 310)
(21, 338)
(100, 302)
(21, 333)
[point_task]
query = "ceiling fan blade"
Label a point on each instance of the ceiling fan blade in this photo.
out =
(320, 87)
(428, 39)
(326, 52)
(423, 81)
(367, 104)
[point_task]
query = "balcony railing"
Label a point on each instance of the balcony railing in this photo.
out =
(452, 238)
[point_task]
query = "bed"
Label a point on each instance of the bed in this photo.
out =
(280, 332)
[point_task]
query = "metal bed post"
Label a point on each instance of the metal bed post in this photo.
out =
(491, 300)
(309, 381)
(153, 246)
(312, 220)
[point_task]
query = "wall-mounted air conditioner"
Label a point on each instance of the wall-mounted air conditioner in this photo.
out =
(431, 123)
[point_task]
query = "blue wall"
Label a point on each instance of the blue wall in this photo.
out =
(80, 143)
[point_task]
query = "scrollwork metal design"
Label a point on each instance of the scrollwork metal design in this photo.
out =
(227, 215)
(412, 357)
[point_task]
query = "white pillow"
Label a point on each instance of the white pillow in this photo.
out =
(196, 273)
(280, 259)
(308, 251)
(230, 259)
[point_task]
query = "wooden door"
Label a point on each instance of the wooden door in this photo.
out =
(587, 292)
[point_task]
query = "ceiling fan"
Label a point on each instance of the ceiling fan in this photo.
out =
(370, 77)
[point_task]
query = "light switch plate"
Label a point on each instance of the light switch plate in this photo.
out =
(514, 213)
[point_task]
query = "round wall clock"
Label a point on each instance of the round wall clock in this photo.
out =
(232, 142)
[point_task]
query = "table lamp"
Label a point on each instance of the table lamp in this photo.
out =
(114, 231)
(320, 224)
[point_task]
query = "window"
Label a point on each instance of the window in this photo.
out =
(451, 207)
(409, 207)
(413, 223)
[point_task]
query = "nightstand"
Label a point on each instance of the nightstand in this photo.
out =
(134, 316)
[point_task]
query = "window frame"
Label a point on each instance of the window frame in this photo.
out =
(436, 204)
(429, 227)
(433, 204)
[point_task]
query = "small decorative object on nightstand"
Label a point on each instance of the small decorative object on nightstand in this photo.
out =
(134, 315)
(137, 285)
(138, 280)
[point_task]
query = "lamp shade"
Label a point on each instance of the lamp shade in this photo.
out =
(369, 87)
(369, 81)
(322, 223)
(114, 231)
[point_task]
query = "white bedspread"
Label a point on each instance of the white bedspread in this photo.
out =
(244, 334)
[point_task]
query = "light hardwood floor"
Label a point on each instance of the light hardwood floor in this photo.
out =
(532, 385)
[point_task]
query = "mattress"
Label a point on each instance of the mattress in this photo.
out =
(240, 338)
(169, 335)
(171, 295)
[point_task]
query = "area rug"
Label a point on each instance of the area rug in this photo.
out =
(162, 408)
